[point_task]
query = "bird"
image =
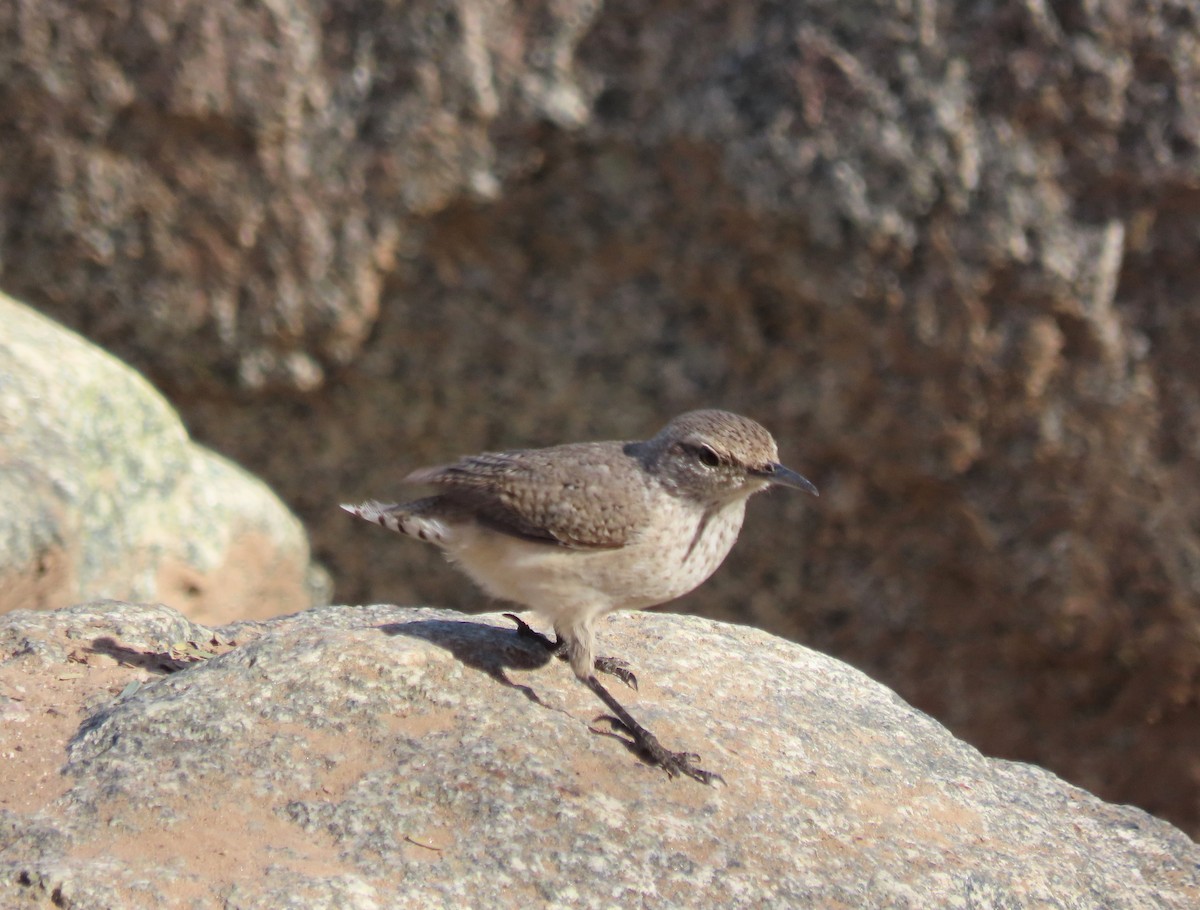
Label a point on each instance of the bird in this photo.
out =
(577, 531)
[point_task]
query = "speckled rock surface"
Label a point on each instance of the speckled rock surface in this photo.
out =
(387, 757)
(102, 493)
(945, 252)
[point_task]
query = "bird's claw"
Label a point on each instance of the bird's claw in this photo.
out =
(683, 763)
(525, 630)
(674, 763)
(614, 666)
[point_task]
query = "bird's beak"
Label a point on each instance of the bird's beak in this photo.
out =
(778, 475)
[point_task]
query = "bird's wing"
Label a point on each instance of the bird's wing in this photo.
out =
(585, 496)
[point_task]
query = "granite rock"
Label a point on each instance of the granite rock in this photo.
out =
(381, 756)
(944, 251)
(102, 493)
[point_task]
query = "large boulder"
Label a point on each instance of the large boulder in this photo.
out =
(102, 493)
(945, 252)
(382, 756)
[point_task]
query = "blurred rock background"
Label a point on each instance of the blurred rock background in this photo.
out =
(103, 495)
(946, 252)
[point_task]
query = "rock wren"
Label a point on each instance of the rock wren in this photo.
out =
(577, 531)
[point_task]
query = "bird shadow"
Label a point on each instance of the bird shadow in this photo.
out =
(160, 663)
(480, 646)
(494, 649)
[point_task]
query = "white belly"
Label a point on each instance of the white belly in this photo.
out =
(679, 552)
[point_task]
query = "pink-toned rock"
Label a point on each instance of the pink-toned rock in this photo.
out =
(949, 259)
(370, 757)
(102, 493)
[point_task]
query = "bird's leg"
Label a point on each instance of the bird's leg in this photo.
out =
(672, 762)
(613, 666)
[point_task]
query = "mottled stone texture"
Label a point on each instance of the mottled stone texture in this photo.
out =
(102, 493)
(944, 251)
(370, 757)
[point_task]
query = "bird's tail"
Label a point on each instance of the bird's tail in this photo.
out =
(417, 519)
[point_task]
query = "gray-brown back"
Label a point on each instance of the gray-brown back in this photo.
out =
(591, 495)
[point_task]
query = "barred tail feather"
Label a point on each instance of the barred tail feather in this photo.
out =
(413, 519)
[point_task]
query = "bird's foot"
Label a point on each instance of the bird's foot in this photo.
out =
(525, 630)
(613, 666)
(674, 763)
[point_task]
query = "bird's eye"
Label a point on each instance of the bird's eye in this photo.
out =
(708, 457)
